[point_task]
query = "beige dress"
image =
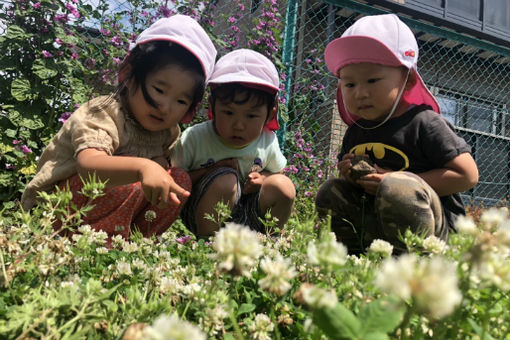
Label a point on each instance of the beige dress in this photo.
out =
(103, 124)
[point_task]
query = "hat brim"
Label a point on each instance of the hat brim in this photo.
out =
(358, 49)
(418, 94)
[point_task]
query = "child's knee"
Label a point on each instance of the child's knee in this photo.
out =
(279, 187)
(224, 185)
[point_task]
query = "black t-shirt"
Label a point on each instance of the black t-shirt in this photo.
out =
(417, 141)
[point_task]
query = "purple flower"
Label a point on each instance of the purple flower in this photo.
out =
(104, 31)
(308, 194)
(73, 10)
(15, 142)
(75, 56)
(184, 239)
(10, 166)
(164, 11)
(47, 54)
(37, 5)
(25, 149)
(61, 18)
(117, 41)
(64, 116)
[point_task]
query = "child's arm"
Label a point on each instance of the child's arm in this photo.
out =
(227, 163)
(158, 186)
(255, 179)
(458, 175)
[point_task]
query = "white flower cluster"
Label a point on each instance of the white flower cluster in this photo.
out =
(261, 327)
(316, 297)
(431, 283)
(278, 273)
(327, 253)
(490, 255)
(172, 328)
(237, 249)
(381, 247)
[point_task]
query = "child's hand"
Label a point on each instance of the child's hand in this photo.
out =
(253, 182)
(345, 165)
(371, 182)
(159, 187)
(227, 163)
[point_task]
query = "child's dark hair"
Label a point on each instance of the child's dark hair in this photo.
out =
(227, 93)
(148, 57)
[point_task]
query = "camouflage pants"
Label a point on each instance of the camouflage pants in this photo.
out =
(403, 200)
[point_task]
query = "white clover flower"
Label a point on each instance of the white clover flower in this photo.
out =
(139, 264)
(168, 285)
(316, 297)
(150, 215)
(494, 269)
(381, 247)
(118, 241)
(278, 273)
(466, 225)
(492, 217)
(261, 327)
(123, 268)
(328, 253)
(129, 247)
(434, 244)
(213, 320)
(432, 283)
(172, 328)
(101, 250)
(237, 249)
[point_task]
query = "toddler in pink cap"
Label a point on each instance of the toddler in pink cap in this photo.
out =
(421, 165)
(235, 156)
(125, 138)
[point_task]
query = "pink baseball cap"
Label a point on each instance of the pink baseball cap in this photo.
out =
(184, 31)
(250, 68)
(379, 39)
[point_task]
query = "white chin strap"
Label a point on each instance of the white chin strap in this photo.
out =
(391, 112)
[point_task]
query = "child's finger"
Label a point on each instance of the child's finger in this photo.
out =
(174, 199)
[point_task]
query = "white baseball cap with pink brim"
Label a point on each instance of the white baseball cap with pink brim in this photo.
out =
(379, 39)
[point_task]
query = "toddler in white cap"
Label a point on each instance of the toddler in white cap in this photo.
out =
(235, 156)
(421, 165)
(125, 138)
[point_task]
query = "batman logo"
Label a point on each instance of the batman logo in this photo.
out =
(387, 153)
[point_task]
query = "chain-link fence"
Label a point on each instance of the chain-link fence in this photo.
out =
(470, 78)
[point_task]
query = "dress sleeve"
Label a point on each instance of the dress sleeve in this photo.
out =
(182, 151)
(95, 127)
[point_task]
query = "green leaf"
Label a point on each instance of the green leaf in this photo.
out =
(42, 71)
(16, 32)
(228, 336)
(375, 336)
(20, 89)
(338, 322)
(246, 308)
(382, 315)
(479, 330)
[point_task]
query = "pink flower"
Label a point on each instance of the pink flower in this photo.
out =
(37, 5)
(25, 149)
(47, 54)
(15, 142)
(64, 116)
(75, 56)
(184, 239)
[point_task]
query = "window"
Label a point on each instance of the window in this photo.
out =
(497, 13)
(465, 8)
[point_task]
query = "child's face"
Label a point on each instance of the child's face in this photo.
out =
(369, 90)
(171, 88)
(240, 124)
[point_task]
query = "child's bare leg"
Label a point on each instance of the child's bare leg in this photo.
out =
(277, 194)
(223, 188)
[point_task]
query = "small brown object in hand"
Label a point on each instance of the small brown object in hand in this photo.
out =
(361, 166)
